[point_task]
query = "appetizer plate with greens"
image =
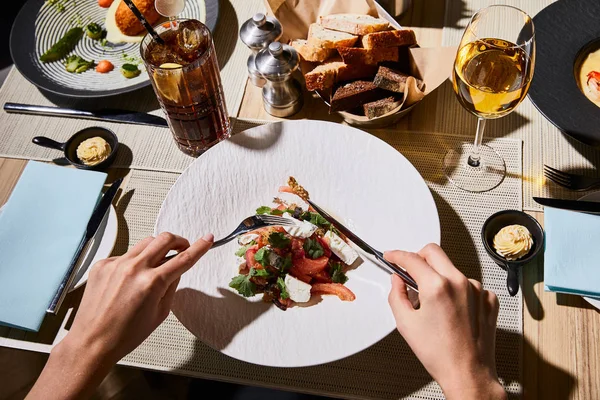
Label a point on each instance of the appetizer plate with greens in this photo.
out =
(292, 297)
(63, 46)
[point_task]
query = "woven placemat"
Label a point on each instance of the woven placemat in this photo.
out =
(543, 142)
(389, 369)
(141, 146)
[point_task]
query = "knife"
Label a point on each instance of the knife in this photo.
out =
(410, 282)
(573, 205)
(121, 116)
(92, 226)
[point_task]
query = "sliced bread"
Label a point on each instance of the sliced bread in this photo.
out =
(378, 108)
(357, 55)
(311, 53)
(400, 37)
(355, 94)
(355, 24)
(319, 36)
(326, 75)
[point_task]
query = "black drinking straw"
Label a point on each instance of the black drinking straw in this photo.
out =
(142, 19)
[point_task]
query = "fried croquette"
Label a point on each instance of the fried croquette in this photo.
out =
(128, 23)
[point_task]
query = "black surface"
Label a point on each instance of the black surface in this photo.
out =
(22, 51)
(562, 30)
(573, 205)
(498, 221)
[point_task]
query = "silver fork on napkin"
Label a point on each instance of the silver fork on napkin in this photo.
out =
(249, 224)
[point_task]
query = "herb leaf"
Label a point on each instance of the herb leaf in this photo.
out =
(287, 264)
(316, 219)
(337, 275)
(262, 256)
(259, 272)
(243, 285)
(242, 250)
(284, 293)
(279, 240)
(263, 210)
(313, 248)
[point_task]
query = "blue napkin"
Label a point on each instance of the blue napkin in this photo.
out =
(41, 226)
(572, 256)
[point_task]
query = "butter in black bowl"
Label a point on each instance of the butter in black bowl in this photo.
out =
(93, 148)
(512, 261)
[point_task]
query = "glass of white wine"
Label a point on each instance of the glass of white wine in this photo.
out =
(492, 73)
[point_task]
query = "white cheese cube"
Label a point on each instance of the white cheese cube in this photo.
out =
(298, 290)
(340, 248)
(247, 238)
(302, 229)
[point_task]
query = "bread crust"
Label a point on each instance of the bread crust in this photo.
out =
(399, 37)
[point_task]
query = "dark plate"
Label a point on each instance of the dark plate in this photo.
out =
(38, 26)
(562, 30)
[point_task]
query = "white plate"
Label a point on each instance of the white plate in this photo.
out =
(368, 184)
(592, 197)
(100, 249)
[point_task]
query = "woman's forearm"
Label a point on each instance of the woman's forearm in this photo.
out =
(73, 371)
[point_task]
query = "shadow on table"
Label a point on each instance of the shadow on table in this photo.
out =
(226, 32)
(531, 275)
(122, 242)
(556, 191)
(571, 300)
(456, 11)
(456, 240)
(141, 100)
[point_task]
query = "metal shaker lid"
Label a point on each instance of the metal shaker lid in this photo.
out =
(277, 61)
(259, 31)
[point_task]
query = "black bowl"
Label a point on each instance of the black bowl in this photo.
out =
(498, 221)
(69, 148)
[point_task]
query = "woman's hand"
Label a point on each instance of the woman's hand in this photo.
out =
(453, 333)
(125, 299)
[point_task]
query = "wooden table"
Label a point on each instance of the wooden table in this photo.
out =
(561, 353)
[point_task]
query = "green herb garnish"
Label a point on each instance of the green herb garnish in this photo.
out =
(262, 256)
(242, 250)
(243, 285)
(259, 272)
(279, 240)
(287, 264)
(315, 219)
(337, 274)
(130, 71)
(284, 293)
(263, 210)
(313, 248)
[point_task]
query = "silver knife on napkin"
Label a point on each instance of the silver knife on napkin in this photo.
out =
(109, 115)
(92, 226)
(573, 205)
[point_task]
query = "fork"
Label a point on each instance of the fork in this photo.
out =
(570, 181)
(249, 224)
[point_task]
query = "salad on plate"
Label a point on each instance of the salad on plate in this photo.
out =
(291, 264)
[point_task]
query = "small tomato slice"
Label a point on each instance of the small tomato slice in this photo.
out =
(297, 248)
(337, 289)
(322, 277)
(250, 261)
(285, 189)
(308, 266)
(299, 275)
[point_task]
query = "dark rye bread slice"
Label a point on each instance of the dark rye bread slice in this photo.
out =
(392, 80)
(378, 108)
(354, 94)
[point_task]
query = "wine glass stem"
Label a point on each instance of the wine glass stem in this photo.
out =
(475, 157)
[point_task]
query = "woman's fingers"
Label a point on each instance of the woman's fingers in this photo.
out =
(399, 301)
(158, 248)
(437, 258)
(414, 264)
(174, 268)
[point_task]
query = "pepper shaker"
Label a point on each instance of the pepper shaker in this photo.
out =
(282, 93)
(257, 33)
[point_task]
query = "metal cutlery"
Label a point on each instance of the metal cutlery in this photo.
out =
(573, 205)
(109, 115)
(249, 224)
(92, 226)
(570, 181)
(410, 282)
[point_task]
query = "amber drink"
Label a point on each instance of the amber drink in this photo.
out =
(185, 75)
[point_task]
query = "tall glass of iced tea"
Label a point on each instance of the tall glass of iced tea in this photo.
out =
(185, 75)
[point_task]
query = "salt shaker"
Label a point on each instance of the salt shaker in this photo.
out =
(282, 93)
(257, 33)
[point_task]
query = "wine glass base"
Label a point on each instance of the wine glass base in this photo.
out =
(489, 174)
